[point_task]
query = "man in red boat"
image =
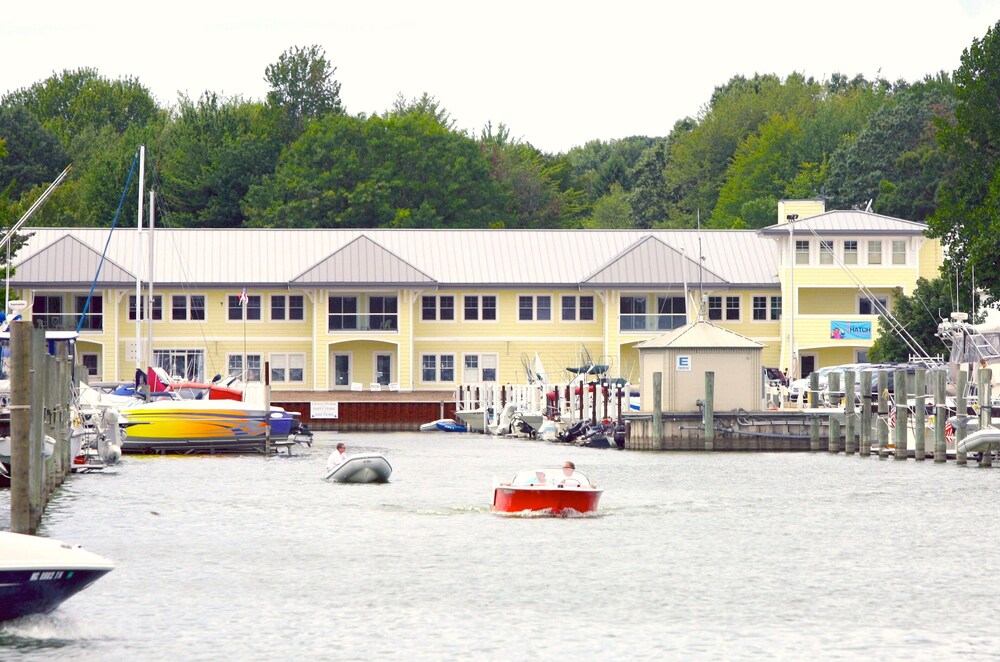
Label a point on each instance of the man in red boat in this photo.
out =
(568, 479)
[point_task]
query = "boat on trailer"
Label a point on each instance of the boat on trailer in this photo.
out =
(364, 468)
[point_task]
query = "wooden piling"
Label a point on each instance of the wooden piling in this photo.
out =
(986, 409)
(657, 409)
(940, 417)
(20, 428)
(833, 429)
(900, 400)
(865, 438)
(919, 414)
(961, 408)
(849, 412)
(882, 425)
(709, 411)
(39, 481)
(814, 420)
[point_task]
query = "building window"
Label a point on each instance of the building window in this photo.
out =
(850, 252)
(733, 308)
(775, 308)
(632, 313)
(383, 313)
(899, 251)
(578, 308)
(186, 364)
(288, 368)
(185, 307)
(801, 252)
(874, 252)
(89, 361)
(437, 368)
(715, 308)
(440, 307)
(671, 313)
(253, 308)
(534, 308)
(876, 306)
(343, 313)
(480, 307)
(253, 371)
(290, 307)
(94, 319)
(826, 252)
(759, 309)
(480, 368)
(157, 307)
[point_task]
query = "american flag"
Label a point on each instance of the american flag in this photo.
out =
(892, 415)
(243, 297)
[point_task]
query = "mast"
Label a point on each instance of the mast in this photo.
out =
(138, 262)
(149, 280)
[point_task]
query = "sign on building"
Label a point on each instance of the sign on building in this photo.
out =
(683, 363)
(850, 330)
(323, 410)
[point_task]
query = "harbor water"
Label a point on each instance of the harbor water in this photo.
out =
(692, 556)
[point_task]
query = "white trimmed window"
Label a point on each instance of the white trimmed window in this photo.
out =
(290, 307)
(479, 368)
(850, 252)
(437, 368)
(671, 313)
(731, 312)
(288, 368)
(90, 363)
(157, 307)
(899, 251)
(877, 306)
(801, 252)
(536, 308)
(252, 308)
(715, 308)
(578, 308)
(759, 309)
(776, 308)
(875, 252)
(188, 364)
(479, 307)
(733, 305)
(187, 307)
(439, 307)
(254, 364)
(826, 252)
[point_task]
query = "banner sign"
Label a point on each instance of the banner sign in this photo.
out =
(323, 410)
(851, 330)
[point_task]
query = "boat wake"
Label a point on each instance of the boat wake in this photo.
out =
(567, 513)
(47, 630)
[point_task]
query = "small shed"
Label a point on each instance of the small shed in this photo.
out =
(685, 354)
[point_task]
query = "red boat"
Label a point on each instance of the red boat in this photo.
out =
(557, 491)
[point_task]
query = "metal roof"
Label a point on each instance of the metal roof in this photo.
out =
(68, 260)
(452, 258)
(848, 222)
(362, 261)
(649, 262)
(698, 335)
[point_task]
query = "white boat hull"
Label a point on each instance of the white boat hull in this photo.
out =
(980, 441)
(370, 468)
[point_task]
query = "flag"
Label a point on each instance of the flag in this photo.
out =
(892, 414)
(243, 297)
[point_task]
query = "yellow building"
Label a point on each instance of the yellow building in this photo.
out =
(429, 309)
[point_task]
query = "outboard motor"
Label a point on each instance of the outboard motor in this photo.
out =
(506, 419)
(107, 443)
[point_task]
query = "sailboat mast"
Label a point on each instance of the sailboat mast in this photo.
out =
(149, 296)
(138, 261)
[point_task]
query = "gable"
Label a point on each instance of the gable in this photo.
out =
(651, 262)
(68, 261)
(362, 261)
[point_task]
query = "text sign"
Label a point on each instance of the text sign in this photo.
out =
(684, 363)
(850, 330)
(323, 410)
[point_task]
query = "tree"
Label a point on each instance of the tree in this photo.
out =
(612, 211)
(968, 214)
(34, 155)
(919, 313)
(302, 84)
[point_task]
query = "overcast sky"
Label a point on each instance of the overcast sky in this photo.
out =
(557, 73)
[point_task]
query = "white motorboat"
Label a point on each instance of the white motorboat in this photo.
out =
(38, 574)
(366, 468)
(981, 441)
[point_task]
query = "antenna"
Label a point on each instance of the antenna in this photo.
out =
(868, 207)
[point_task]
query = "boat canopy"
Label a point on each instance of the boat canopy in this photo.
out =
(528, 477)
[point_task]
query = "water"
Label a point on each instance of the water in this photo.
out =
(693, 556)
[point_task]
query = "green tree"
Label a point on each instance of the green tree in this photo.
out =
(919, 314)
(612, 212)
(34, 155)
(968, 214)
(302, 85)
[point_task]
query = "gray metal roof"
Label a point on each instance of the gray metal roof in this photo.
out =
(452, 258)
(362, 261)
(66, 261)
(649, 262)
(697, 335)
(848, 222)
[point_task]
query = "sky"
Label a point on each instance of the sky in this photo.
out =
(557, 73)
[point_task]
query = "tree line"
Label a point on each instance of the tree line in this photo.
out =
(924, 151)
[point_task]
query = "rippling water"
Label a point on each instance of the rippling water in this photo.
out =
(694, 556)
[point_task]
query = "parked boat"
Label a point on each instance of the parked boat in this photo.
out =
(557, 491)
(38, 574)
(194, 426)
(451, 426)
(433, 425)
(981, 441)
(366, 468)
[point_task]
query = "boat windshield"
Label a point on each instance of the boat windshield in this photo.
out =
(554, 477)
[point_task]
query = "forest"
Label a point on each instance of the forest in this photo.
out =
(924, 151)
